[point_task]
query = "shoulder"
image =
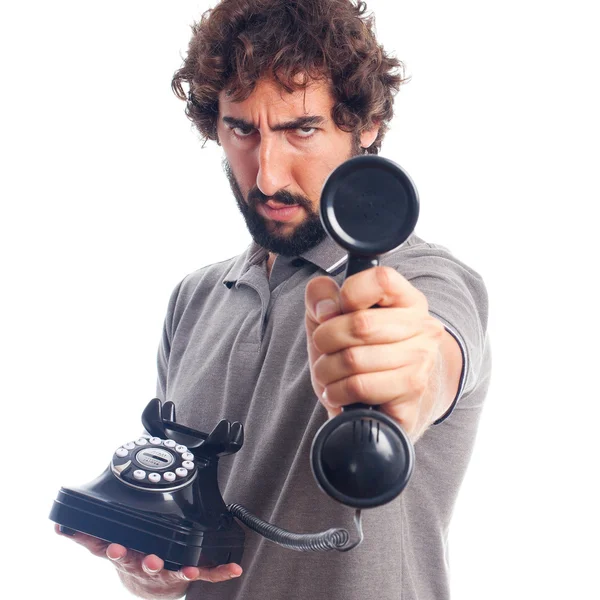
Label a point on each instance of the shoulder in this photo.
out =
(446, 280)
(199, 284)
(456, 295)
(418, 258)
(207, 277)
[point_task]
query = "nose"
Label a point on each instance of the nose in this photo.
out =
(273, 167)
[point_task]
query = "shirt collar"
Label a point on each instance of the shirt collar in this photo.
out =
(326, 255)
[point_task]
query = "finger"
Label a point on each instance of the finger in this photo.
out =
(332, 411)
(322, 301)
(383, 286)
(119, 554)
(189, 573)
(373, 326)
(395, 386)
(152, 564)
(130, 561)
(354, 360)
(408, 416)
(324, 292)
(220, 573)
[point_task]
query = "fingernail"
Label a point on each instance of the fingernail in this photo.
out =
(149, 570)
(325, 308)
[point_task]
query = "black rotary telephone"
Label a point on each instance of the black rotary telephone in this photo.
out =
(160, 493)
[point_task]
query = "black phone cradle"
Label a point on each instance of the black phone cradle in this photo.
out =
(175, 512)
(185, 521)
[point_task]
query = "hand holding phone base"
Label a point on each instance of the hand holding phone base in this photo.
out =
(160, 495)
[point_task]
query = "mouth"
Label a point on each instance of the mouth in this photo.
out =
(276, 211)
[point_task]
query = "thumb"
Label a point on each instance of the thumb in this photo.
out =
(322, 300)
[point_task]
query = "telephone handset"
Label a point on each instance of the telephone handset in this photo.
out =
(369, 206)
(160, 493)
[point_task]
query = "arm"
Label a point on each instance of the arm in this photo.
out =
(443, 385)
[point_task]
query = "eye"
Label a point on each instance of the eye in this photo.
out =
(242, 132)
(305, 132)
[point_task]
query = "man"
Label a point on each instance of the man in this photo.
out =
(276, 339)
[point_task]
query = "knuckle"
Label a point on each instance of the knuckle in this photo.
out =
(349, 357)
(382, 274)
(319, 340)
(435, 328)
(425, 355)
(345, 296)
(360, 324)
(431, 362)
(212, 577)
(420, 356)
(418, 382)
(355, 387)
(318, 372)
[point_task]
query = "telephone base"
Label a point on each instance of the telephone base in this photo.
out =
(178, 543)
(66, 530)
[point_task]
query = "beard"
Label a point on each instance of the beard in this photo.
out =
(268, 234)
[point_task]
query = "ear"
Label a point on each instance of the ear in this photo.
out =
(368, 136)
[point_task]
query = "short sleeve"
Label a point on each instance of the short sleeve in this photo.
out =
(164, 348)
(457, 297)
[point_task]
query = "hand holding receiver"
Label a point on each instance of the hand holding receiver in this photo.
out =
(361, 457)
(145, 575)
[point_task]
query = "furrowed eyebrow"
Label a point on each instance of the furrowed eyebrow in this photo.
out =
(299, 123)
(237, 123)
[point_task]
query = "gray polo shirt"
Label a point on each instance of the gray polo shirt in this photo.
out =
(234, 346)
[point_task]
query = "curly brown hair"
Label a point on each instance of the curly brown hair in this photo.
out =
(293, 42)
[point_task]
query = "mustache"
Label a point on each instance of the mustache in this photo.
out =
(255, 197)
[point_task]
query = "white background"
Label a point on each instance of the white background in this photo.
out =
(108, 200)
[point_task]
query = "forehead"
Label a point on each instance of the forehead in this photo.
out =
(270, 100)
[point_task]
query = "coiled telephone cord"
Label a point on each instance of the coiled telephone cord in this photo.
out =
(332, 539)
